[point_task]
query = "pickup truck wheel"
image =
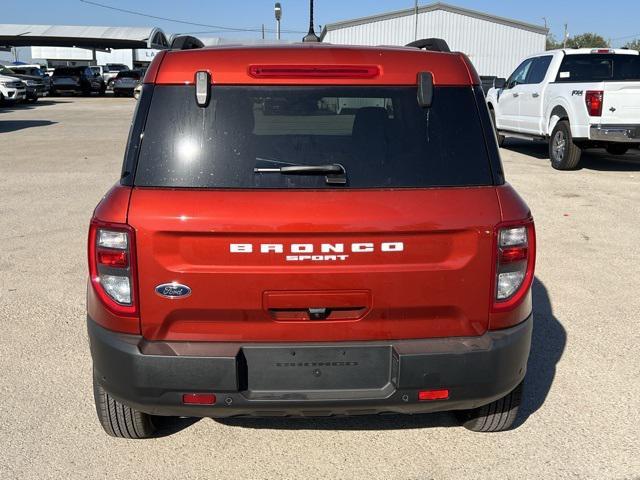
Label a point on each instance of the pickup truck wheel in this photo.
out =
(565, 155)
(617, 149)
(119, 420)
(498, 416)
(499, 137)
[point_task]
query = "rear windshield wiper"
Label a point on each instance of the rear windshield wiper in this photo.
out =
(335, 173)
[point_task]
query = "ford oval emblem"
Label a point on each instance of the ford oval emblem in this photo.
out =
(173, 290)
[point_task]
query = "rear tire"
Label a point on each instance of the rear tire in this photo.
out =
(617, 149)
(499, 137)
(564, 154)
(119, 420)
(498, 416)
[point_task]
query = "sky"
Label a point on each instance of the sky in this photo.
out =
(618, 21)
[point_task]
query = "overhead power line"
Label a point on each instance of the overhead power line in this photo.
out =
(215, 28)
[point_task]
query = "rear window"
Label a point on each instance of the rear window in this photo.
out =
(598, 67)
(64, 71)
(116, 67)
(129, 74)
(380, 135)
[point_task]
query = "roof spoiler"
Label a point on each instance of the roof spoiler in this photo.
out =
(185, 42)
(431, 44)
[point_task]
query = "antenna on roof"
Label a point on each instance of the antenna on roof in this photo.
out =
(311, 36)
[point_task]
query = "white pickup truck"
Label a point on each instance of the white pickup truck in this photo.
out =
(574, 99)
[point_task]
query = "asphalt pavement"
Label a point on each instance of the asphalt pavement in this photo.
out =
(581, 414)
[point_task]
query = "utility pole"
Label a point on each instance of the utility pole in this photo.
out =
(278, 12)
(566, 36)
(263, 31)
(415, 30)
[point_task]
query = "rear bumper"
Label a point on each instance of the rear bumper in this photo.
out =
(153, 376)
(615, 133)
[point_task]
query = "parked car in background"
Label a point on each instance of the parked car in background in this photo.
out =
(78, 80)
(34, 84)
(125, 82)
(111, 71)
(573, 99)
(34, 70)
(11, 89)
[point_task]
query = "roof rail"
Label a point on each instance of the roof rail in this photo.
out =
(431, 44)
(185, 42)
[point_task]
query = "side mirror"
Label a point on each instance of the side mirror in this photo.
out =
(499, 83)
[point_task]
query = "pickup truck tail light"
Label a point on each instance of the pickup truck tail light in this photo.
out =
(112, 266)
(594, 100)
(514, 266)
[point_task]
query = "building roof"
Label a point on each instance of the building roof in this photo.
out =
(82, 36)
(433, 7)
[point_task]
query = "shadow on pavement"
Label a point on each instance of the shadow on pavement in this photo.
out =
(7, 126)
(592, 159)
(168, 426)
(547, 346)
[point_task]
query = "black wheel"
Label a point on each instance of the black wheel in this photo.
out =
(498, 416)
(617, 149)
(33, 100)
(564, 154)
(102, 91)
(119, 420)
(499, 137)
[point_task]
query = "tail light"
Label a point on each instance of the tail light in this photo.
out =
(112, 266)
(515, 261)
(594, 100)
(314, 71)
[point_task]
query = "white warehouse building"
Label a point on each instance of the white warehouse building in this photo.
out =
(495, 45)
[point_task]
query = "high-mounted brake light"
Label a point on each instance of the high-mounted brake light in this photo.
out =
(515, 259)
(314, 71)
(112, 266)
(601, 50)
(594, 100)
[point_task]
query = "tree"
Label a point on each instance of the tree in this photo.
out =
(633, 44)
(587, 40)
(552, 43)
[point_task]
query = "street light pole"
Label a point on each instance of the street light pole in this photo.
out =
(278, 12)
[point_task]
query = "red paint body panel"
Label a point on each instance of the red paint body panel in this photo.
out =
(231, 65)
(114, 205)
(437, 286)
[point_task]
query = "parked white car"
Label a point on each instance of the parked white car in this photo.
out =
(574, 99)
(11, 89)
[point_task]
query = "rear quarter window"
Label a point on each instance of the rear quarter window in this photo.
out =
(380, 135)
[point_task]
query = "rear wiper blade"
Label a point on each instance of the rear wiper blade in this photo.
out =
(336, 173)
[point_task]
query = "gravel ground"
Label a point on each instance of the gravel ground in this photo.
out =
(581, 414)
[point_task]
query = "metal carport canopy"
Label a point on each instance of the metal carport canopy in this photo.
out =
(80, 36)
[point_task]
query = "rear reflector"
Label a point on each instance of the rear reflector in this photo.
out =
(426, 395)
(198, 399)
(112, 258)
(314, 71)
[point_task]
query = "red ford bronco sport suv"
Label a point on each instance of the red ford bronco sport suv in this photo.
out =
(310, 230)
